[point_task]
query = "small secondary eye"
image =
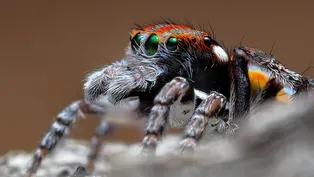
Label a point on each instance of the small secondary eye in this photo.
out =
(172, 44)
(193, 40)
(207, 41)
(151, 45)
(136, 42)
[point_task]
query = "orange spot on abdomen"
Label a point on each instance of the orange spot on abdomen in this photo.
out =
(283, 97)
(258, 80)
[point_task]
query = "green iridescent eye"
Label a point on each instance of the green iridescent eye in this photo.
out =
(151, 45)
(136, 42)
(172, 44)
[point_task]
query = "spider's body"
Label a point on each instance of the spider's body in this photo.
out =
(190, 57)
(170, 63)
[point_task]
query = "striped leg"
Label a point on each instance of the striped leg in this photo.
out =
(60, 128)
(204, 114)
(177, 89)
(103, 129)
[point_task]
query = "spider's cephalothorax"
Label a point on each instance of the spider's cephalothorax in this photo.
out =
(156, 54)
(170, 64)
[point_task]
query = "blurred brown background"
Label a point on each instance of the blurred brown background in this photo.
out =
(47, 47)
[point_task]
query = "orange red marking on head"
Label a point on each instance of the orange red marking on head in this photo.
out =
(181, 32)
(189, 40)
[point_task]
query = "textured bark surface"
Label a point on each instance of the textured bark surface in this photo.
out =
(273, 143)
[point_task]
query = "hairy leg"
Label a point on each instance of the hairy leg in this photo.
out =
(97, 84)
(205, 113)
(59, 129)
(177, 89)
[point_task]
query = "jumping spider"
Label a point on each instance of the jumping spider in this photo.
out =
(169, 64)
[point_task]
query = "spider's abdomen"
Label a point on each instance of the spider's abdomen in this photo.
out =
(269, 77)
(261, 80)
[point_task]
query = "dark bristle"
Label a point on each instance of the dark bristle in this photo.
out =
(241, 40)
(163, 20)
(212, 32)
(308, 68)
(166, 21)
(229, 50)
(272, 47)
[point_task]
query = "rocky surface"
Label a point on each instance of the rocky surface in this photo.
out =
(273, 143)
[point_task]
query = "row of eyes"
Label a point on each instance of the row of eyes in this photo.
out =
(152, 42)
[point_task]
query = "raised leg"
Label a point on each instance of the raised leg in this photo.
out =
(59, 129)
(205, 113)
(177, 89)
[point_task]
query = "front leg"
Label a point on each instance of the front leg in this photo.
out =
(58, 130)
(204, 113)
(178, 88)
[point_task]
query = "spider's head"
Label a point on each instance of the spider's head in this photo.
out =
(165, 49)
(172, 46)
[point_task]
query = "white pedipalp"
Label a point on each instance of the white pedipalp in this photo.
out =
(221, 53)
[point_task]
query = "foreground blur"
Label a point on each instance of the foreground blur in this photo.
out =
(275, 141)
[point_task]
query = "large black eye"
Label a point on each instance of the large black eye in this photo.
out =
(207, 41)
(172, 44)
(136, 42)
(151, 44)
